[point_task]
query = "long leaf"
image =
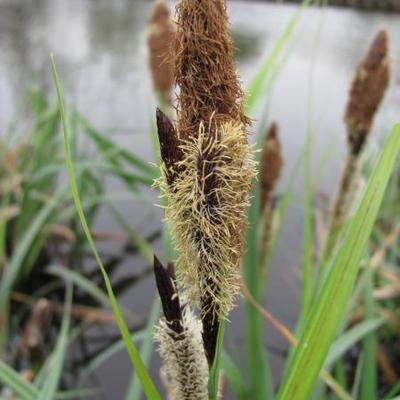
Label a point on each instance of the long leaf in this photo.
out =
(134, 391)
(16, 263)
(325, 315)
(215, 368)
(350, 338)
(57, 358)
(148, 386)
(14, 381)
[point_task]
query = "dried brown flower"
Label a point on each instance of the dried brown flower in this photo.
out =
(367, 91)
(161, 32)
(271, 165)
(205, 68)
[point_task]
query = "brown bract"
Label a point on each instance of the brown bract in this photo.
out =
(161, 32)
(170, 150)
(204, 68)
(271, 164)
(367, 91)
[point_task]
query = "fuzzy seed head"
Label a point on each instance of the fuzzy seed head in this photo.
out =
(207, 204)
(184, 359)
(367, 91)
(161, 31)
(205, 68)
(271, 165)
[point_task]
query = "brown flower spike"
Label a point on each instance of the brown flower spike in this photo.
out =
(271, 165)
(208, 167)
(161, 32)
(205, 68)
(367, 91)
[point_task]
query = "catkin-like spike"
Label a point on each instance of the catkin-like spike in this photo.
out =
(185, 363)
(367, 91)
(207, 204)
(180, 341)
(205, 68)
(161, 31)
(270, 165)
(270, 170)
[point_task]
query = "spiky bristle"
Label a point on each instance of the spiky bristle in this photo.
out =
(207, 204)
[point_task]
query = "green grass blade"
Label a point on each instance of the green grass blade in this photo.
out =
(256, 88)
(80, 281)
(234, 377)
(10, 378)
(369, 380)
(134, 392)
(357, 377)
(350, 338)
(308, 231)
(143, 246)
(395, 390)
(16, 263)
(325, 315)
(105, 145)
(214, 371)
(109, 352)
(148, 386)
(49, 388)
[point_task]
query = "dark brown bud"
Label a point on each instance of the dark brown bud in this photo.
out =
(168, 295)
(171, 153)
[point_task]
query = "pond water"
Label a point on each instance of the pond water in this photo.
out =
(101, 56)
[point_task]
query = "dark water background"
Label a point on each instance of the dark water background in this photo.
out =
(102, 61)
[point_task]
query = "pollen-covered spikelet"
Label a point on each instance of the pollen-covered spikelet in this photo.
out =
(367, 91)
(205, 67)
(185, 363)
(207, 204)
(160, 34)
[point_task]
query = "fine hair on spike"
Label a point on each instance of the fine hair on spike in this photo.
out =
(207, 204)
(367, 91)
(185, 364)
(160, 35)
(205, 67)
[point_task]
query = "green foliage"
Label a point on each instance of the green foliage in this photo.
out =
(325, 315)
(147, 383)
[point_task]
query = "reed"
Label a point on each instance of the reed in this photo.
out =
(367, 91)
